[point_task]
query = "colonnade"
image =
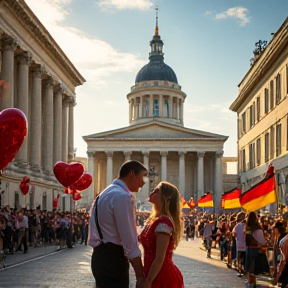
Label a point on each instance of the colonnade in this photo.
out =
(144, 106)
(208, 170)
(47, 104)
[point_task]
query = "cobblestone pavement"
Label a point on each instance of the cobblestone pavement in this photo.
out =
(71, 268)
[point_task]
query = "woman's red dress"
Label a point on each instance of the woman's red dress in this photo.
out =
(169, 275)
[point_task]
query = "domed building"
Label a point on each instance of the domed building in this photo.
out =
(156, 136)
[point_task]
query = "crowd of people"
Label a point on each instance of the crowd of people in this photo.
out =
(21, 229)
(249, 243)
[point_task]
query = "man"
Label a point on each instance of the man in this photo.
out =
(207, 235)
(113, 233)
(239, 233)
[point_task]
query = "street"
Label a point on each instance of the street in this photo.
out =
(71, 268)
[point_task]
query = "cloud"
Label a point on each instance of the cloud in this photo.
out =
(94, 58)
(125, 4)
(239, 13)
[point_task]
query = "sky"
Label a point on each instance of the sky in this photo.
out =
(208, 44)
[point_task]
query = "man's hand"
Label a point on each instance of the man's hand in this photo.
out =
(140, 282)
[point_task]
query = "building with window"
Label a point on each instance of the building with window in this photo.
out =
(42, 83)
(189, 158)
(262, 110)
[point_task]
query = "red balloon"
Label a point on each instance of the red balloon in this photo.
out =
(26, 179)
(24, 187)
(72, 190)
(84, 182)
(66, 190)
(76, 196)
(13, 131)
(68, 174)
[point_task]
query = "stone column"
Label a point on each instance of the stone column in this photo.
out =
(140, 107)
(127, 155)
(130, 111)
(218, 181)
(7, 71)
(109, 171)
(151, 106)
(161, 105)
(72, 104)
(57, 121)
(65, 104)
(35, 120)
(143, 195)
(200, 174)
(181, 111)
(23, 103)
(163, 165)
(170, 101)
(91, 170)
(47, 137)
(181, 185)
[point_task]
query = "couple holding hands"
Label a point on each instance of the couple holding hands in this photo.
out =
(113, 236)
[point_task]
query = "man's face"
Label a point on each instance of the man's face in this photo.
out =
(137, 181)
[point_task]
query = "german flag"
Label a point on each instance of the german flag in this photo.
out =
(259, 195)
(191, 203)
(231, 199)
(206, 201)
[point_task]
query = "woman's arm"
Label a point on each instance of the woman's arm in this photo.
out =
(162, 243)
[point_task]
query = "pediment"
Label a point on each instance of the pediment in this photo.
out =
(155, 130)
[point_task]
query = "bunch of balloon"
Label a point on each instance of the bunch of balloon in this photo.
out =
(24, 186)
(73, 178)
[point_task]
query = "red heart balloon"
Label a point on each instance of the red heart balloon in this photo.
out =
(68, 174)
(26, 179)
(84, 182)
(13, 131)
(76, 196)
(24, 187)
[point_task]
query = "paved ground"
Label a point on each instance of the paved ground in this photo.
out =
(44, 267)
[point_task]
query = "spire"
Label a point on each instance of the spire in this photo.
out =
(156, 28)
(156, 43)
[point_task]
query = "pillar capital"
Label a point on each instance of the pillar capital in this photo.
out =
(145, 153)
(48, 83)
(24, 58)
(65, 101)
(182, 153)
(200, 154)
(109, 153)
(164, 153)
(8, 43)
(37, 71)
(127, 153)
(219, 154)
(90, 153)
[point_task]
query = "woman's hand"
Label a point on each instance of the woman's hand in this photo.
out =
(147, 283)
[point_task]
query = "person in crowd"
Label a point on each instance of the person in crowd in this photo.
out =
(282, 271)
(238, 232)
(279, 231)
(112, 229)
(161, 236)
(207, 235)
(256, 244)
(22, 232)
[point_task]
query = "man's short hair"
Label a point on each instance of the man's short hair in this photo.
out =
(129, 166)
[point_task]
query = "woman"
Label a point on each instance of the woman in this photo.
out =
(161, 236)
(256, 260)
(279, 232)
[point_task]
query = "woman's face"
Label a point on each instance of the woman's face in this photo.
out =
(155, 198)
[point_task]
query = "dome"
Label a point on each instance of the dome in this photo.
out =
(156, 70)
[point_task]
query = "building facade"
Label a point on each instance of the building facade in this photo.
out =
(156, 136)
(262, 110)
(42, 83)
